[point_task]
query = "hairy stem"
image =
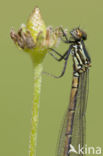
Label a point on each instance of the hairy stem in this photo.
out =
(35, 109)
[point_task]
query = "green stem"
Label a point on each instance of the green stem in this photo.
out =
(35, 109)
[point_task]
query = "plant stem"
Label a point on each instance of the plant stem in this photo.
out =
(35, 109)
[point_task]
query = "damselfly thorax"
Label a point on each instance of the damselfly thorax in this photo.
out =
(81, 59)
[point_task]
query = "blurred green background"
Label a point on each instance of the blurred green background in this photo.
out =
(16, 76)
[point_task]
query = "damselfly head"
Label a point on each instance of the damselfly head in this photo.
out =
(78, 34)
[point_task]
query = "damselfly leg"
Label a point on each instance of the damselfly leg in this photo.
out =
(61, 56)
(66, 38)
(65, 57)
(64, 35)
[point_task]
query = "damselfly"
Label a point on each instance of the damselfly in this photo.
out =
(73, 133)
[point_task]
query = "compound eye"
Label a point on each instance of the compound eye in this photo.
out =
(79, 33)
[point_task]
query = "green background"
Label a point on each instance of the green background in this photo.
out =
(16, 76)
